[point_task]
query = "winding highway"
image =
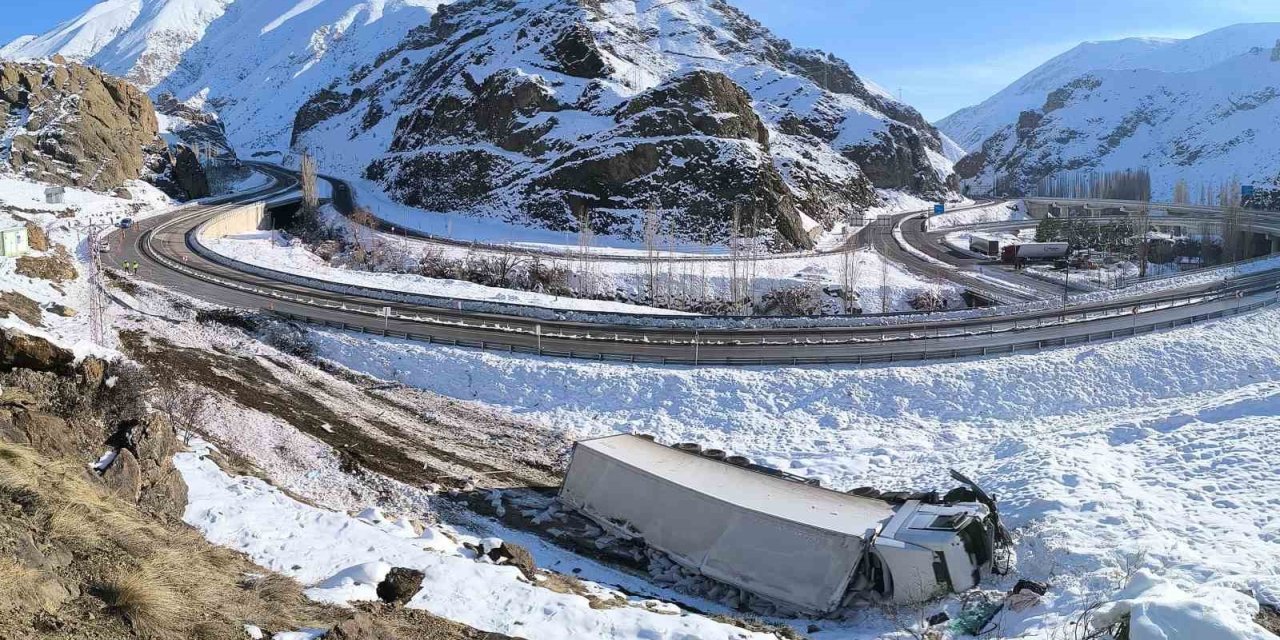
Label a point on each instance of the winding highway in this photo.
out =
(168, 248)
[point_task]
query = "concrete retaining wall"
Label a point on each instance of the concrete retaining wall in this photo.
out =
(250, 217)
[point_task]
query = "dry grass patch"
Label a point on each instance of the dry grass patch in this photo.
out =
(144, 599)
(154, 580)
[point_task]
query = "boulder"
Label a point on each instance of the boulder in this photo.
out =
(400, 585)
(37, 239)
(21, 351)
(21, 307)
(61, 310)
(161, 490)
(360, 627)
(124, 477)
(56, 266)
(48, 434)
(516, 556)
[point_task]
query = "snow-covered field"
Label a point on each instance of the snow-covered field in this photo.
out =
(269, 250)
(998, 212)
(1149, 452)
(881, 285)
(344, 557)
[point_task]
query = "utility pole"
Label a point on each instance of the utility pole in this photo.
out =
(1066, 282)
(97, 297)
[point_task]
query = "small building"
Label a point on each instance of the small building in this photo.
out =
(13, 242)
(55, 195)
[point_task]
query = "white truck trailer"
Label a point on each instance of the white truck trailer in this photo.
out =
(778, 537)
(1016, 253)
(985, 243)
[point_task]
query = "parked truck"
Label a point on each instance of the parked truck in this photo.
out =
(985, 244)
(779, 536)
(1031, 251)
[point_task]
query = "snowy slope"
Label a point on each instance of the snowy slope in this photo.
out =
(1206, 127)
(141, 40)
(811, 140)
(251, 63)
(1140, 453)
(622, 105)
(971, 126)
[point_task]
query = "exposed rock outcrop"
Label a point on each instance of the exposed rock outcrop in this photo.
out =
(22, 351)
(76, 125)
(550, 112)
(55, 266)
(178, 172)
(73, 125)
(67, 410)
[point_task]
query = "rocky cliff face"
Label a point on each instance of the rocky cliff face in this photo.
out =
(543, 112)
(72, 125)
(65, 410)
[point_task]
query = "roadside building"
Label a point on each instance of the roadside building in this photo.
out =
(14, 242)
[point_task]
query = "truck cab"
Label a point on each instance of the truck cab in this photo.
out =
(930, 549)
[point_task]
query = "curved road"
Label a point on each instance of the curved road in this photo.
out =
(164, 246)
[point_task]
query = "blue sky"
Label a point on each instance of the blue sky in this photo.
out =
(941, 54)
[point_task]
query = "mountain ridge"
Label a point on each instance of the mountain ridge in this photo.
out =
(283, 77)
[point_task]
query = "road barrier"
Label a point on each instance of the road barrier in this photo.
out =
(923, 341)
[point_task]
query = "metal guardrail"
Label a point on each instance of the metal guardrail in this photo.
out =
(884, 337)
(906, 356)
(875, 335)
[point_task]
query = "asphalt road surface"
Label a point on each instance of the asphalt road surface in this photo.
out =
(164, 246)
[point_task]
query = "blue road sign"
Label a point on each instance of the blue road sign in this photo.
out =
(939, 209)
(1246, 191)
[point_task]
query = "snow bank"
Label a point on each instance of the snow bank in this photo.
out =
(342, 558)
(999, 212)
(1159, 610)
(1155, 447)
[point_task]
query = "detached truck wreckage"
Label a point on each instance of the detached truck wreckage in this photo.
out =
(777, 536)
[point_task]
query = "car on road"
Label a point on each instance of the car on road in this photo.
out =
(126, 223)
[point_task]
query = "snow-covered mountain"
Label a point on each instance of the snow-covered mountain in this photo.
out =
(1200, 110)
(140, 40)
(251, 63)
(530, 111)
(971, 126)
(536, 111)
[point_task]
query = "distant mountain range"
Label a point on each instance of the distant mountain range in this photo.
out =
(1203, 109)
(533, 111)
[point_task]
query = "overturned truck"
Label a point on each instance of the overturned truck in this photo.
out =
(777, 536)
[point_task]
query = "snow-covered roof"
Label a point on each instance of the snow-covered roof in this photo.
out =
(759, 492)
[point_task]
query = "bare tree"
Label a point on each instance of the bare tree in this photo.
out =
(652, 227)
(184, 406)
(310, 191)
(1181, 192)
(1141, 221)
(586, 238)
(1229, 200)
(364, 222)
